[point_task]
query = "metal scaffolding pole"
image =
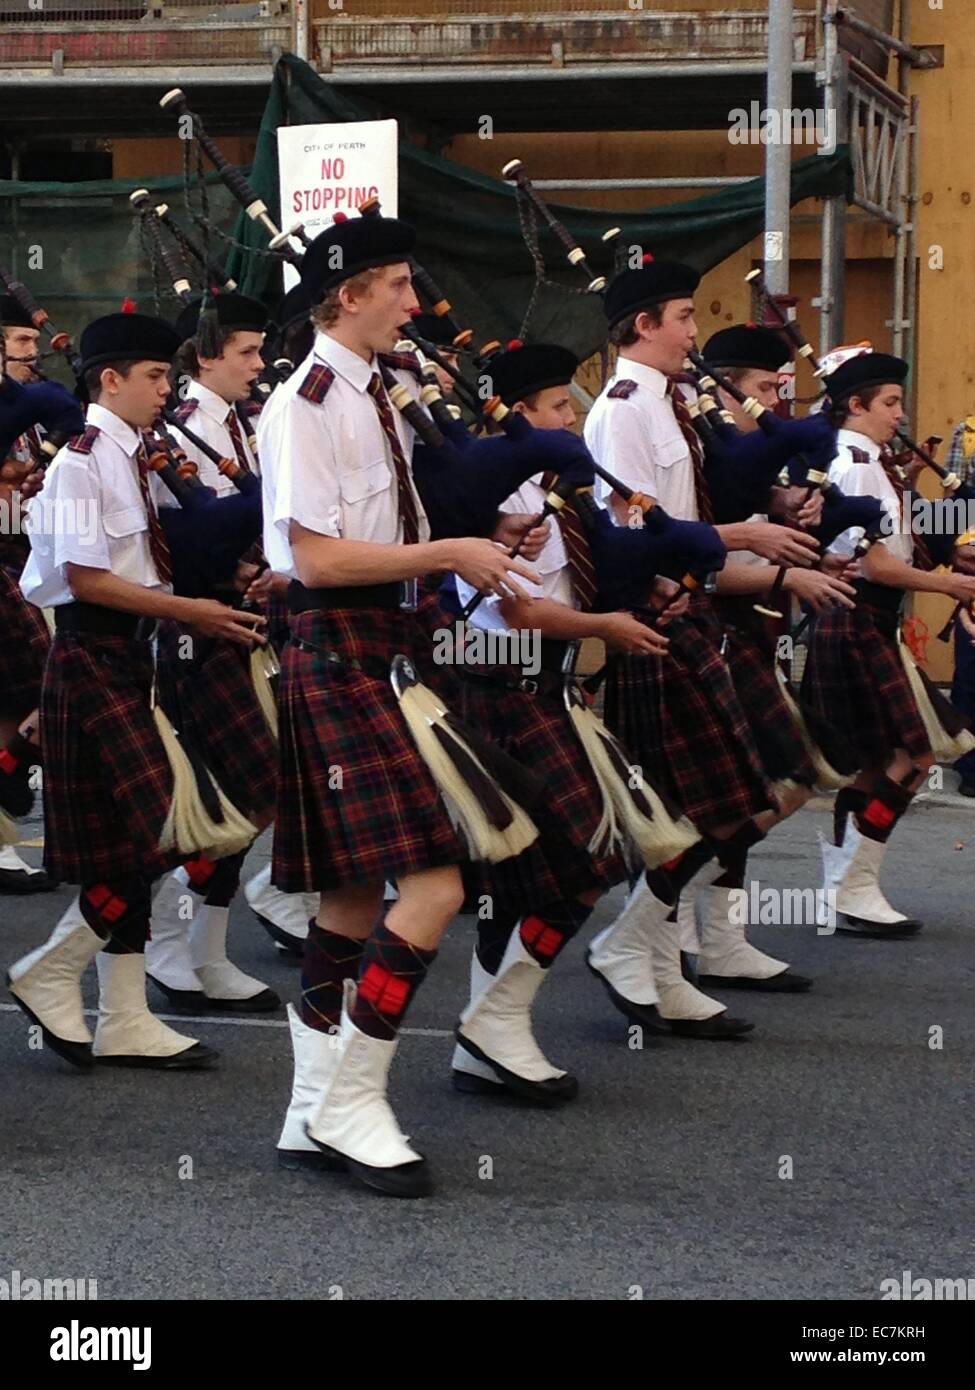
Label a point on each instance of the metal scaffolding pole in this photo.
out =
(778, 153)
(833, 253)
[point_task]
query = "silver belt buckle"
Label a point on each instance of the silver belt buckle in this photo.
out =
(408, 595)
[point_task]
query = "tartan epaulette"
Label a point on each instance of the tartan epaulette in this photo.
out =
(401, 362)
(82, 443)
(317, 381)
(251, 409)
(185, 409)
(623, 389)
(858, 455)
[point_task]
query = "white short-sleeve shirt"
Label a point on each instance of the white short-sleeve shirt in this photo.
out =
(638, 439)
(90, 512)
(209, 421)
(867, 479)
(329, 466)
(552, 564)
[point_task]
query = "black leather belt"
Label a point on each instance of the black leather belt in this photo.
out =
(389, 596)
(546, 683)
(103, 622)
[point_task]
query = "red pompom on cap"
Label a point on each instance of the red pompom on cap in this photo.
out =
(647, 258)
(514, 344)
(128, 305)
(751, 325)
(340, 217)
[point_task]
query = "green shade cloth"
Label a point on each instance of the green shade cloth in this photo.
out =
(77, 246)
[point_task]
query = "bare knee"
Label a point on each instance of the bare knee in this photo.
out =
(436, 893)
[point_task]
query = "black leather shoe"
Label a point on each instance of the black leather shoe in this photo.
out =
(292, 946)
(891, 931)
(967, 789)
(644, 1015)
(720, 1028)
(77, 1053)
(194, 1058)
(786, 982)
(184, 1001)
(19, 881)
(412, 1179)
(545, 1093)
(305, 1160)
(262, 1003)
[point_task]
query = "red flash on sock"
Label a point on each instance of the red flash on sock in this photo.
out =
(879, 815)
(8, 763)
(386, 992)
(540, 937)
(200, 870)
(108, 907)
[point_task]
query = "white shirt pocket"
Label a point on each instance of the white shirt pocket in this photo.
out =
(125, 522)
(359, 484)
(667, 452)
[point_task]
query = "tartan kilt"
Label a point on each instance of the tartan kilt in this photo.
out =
(24, 645)
(107, 779)
(854, 678)
(536, 732)
(387, 818)
(774, 731)
(210, 699)
(278, 621)
(681, 717)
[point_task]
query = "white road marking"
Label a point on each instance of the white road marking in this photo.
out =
(193, 1021)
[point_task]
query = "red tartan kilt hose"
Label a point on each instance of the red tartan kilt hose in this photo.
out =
(680, 718)
(356, 803)
(209, 696)
(24, 645)
(107, 780)
(536, 732)
(854, 677)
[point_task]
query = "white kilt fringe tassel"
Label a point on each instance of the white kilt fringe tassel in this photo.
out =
(631, 814)
(496, 827)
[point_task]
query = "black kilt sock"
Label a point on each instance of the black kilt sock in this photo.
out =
(666, 881)
(224, 881)
(545, 934)
(849, 801)
(118, 912)
(493, 935)
(329, 960)
(885, 803)
(391, 972)
(734, 863)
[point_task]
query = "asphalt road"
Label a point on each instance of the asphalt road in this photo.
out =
(661, 1180)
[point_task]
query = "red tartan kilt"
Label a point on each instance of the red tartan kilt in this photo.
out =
(854, 677)
(107, 780)
(24, 645)
(535, 731)
(387, 818)
(211, 701)
(680, 717)
(774, 731)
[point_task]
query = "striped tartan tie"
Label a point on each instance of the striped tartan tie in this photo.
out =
(233, 426)
(158, 544)
(581, 568)
(407, 502)
(693, 440)
(922, 555)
